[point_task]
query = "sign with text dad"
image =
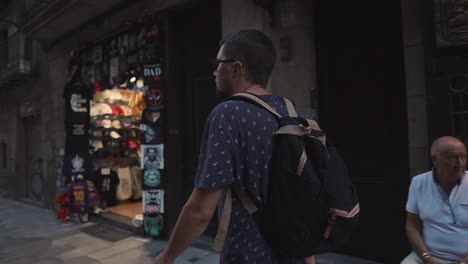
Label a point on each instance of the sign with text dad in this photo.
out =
(152, 73)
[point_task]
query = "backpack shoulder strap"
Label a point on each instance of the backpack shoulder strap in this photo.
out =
(223, 224)
(258, 101)
(290, 106)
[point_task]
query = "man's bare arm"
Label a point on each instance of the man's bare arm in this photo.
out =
(414, 234)
(193, 220)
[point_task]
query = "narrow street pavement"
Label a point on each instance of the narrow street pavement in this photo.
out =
(31, 234)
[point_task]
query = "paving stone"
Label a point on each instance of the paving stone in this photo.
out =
(22, 260)
(82, 260)
(87, 241)
(59, 250)
(17, 246)
(67, 239)
(76, 253)
(47, 261)
(133, 240)
(63, 232)
(136, 255)
(155, 245)
(117, 248)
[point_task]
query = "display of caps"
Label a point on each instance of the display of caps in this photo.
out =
(97, 133)
(114, 135)
(97, 122)
(132, 134)
(106, 123)
(127, 111)
(116, 124)
(115, 95)
(100, 109)
(98, 86)
(126, 123)
(126, 95)
(133, 154)
(93, 111)
(117, 110)
(112, 144)
(106, 134)
(123, 133)
(97, 144)
(111, 95)
(132, 144)
(106, 154)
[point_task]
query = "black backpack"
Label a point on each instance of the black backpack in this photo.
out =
(312, 206)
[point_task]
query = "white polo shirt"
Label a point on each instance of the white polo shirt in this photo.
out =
(445, 218)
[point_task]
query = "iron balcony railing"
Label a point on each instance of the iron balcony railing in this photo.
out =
(14, 74)
(17, 65)
(20, 66)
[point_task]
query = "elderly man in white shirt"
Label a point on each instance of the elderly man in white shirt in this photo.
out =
(437, 207)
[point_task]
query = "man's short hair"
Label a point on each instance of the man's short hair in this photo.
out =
(440, 143)
(255, 50)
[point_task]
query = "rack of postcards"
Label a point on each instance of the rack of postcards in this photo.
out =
(127, 79)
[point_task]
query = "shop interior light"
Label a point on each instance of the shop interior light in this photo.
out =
(132, 76)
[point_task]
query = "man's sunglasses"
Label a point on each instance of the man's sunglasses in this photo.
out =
(217, 62)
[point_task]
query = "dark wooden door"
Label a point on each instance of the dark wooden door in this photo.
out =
(362, 107)
(196, 34)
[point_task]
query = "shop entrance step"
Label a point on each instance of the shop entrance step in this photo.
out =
(125, 222)
(120, 221)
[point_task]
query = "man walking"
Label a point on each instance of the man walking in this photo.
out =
(236, 149)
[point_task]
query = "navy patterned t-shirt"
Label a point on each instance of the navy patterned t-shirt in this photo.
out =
(236, 148)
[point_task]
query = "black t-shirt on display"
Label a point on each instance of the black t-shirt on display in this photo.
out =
(76, 164)
(77, 138)
(77, 97)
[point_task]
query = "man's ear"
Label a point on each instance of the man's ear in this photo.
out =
(238, 68)
(434, 160)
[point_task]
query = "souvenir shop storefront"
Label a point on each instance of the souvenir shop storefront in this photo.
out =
(114, 149)
(136, 103)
